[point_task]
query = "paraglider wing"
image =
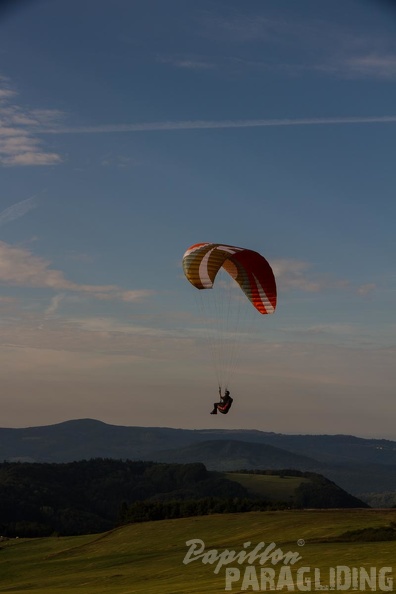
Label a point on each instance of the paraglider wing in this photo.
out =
(202, 261)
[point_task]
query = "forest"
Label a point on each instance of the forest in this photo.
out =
(91, 496)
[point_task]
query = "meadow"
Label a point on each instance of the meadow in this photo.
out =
(269, 487)
(148, 557)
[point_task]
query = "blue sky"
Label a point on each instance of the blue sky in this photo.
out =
(129, 131)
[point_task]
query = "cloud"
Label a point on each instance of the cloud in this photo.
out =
(109, 325)
(79, 256)
(19, 144)
(293, 274)
(95, 334)
(120, 161)
(6, 93)
(32, 158)
(372, 65)
(329, 47)
(17, 210)
(296, 274)
(339, 330)
(218, 124)
(241, 28)
(346, 64)
(54, 304)
(187, 62)
(19, 267)
(366, 289)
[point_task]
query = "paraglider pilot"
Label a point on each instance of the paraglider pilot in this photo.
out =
(224, 405)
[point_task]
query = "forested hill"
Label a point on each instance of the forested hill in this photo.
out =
(40, 499)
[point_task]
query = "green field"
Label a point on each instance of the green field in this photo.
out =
(269, 487)
(148, 558)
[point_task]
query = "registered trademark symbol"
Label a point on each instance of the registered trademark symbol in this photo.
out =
(301, 542)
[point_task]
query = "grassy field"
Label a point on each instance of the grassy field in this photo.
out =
(148, 558)
(271, 488)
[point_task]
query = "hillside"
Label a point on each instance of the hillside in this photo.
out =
(227, 454)
(97, 495)
(299, 489)
(148, 558)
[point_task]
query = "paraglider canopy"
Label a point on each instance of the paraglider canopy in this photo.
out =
(202, 262)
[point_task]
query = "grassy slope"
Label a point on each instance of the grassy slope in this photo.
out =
(272, 488)
(147, 558)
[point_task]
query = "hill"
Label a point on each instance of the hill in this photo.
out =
(227, 454)
(148, 558)
(299, 489)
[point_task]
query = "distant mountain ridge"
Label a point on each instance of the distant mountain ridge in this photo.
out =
(61, 442)
(229, 454)
(358, 465)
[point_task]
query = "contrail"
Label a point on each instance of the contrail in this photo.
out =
(17, 210)
(216, 124)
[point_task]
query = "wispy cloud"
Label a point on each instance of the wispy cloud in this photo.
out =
(120, 161)
(96, 334)
(17, 210)
(347, 63)
(188, 62)
(327, 47)
(54, 304)
(19, 267)
(106, 324)
(19, 143)
(238, 27)
(6, 93)
(371, 65)
(366, 289)
(218, 124)
(78, 256)
(322, 329)
(296, 274)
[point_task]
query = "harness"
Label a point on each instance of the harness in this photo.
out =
(225, 407)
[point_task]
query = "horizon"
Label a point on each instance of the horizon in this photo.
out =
(208, 429)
